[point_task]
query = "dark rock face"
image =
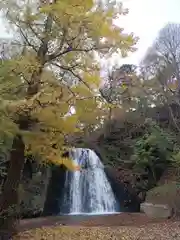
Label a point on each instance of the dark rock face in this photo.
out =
(33, 190)
(55, 191)
(33, 187)
(125, 194)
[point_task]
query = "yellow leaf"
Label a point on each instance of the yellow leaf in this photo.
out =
(67, 162)
(92, 79)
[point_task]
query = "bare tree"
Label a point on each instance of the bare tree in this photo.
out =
(112, 89)
(161, 64)
(164, 55)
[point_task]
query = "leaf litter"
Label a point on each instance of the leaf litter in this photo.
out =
(162, 231)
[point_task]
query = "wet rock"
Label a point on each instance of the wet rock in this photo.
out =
(121, 185)
(55, 191)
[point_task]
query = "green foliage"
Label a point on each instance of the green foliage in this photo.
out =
(5, 145)
(153, 152)
(176, 157)
(7, 131)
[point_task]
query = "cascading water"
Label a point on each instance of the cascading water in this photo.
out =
(88, 191)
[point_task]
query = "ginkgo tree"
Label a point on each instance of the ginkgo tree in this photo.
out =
(54, 67)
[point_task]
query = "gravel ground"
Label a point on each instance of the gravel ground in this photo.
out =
(160, 231)
(124, 226)
(111, 220)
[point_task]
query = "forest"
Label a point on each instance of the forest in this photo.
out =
(53, 97)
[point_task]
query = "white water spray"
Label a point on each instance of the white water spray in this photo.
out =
(88, 191)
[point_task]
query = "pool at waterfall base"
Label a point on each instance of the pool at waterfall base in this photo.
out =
(92, 214)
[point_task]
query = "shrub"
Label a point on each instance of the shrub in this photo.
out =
(153, 153)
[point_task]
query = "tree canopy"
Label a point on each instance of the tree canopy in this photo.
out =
(53, 67)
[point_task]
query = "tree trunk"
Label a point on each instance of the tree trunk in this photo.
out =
(10, 195)
(9, 202)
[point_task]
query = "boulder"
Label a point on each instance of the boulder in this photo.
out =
(167, 194)
(156, 210)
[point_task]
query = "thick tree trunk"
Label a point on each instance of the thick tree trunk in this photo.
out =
(9, 202)
(10, 195)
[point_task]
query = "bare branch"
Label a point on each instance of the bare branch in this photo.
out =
(26, 38)
(165, 53)
(70, 49)
(68, 69)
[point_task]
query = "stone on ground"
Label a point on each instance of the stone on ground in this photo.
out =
(156, 210)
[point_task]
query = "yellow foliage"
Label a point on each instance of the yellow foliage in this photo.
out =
(92, 79)
(82, 91)
(61, 42)
(173, 85)
(39, 144)
(67, 162)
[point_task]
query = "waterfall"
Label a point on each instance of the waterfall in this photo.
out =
(88, 191)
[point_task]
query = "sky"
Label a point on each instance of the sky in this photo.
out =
(145, 19)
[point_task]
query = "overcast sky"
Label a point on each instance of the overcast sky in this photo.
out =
(145, 19)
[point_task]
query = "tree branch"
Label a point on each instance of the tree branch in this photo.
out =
(73, 73)
(59, 54)
(26, 39)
